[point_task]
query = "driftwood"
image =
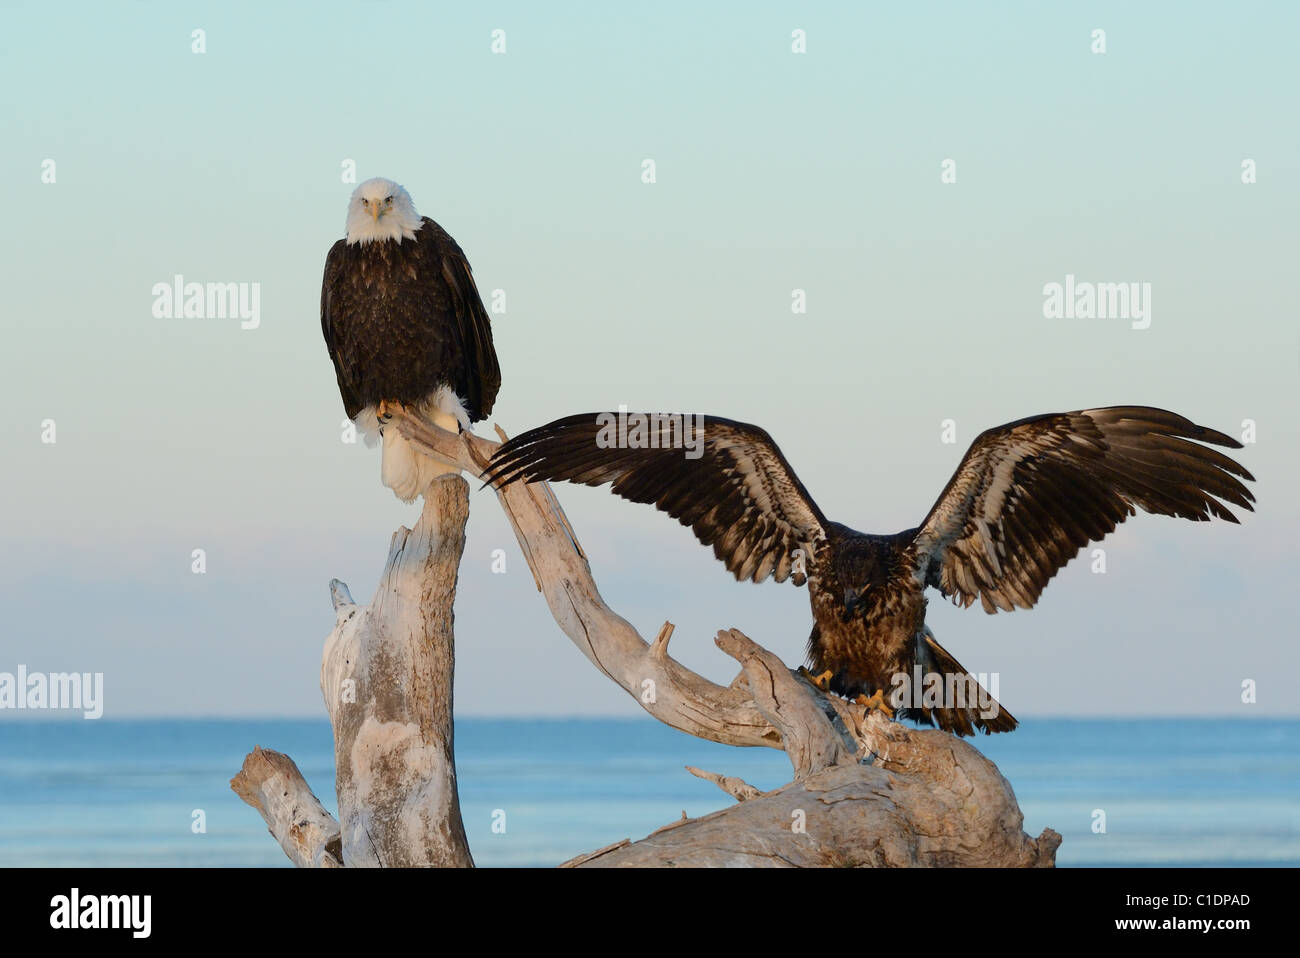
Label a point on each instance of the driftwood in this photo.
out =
(386, 677)
(271, 783)
(865, 791)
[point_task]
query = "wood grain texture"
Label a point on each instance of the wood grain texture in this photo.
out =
(271, 783)
(387, 681)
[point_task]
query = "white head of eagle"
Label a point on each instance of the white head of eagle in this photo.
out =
(381, 210)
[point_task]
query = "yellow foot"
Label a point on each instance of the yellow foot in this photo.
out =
(384, 411)
(877, 701)
(822, 681)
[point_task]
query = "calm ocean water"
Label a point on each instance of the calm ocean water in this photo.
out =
(1175, 792)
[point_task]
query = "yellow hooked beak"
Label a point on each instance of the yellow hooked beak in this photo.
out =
(375, 210)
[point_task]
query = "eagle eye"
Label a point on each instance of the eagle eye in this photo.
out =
(388, 199)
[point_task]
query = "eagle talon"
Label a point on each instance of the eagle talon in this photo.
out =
(822, 681)
(877, 701)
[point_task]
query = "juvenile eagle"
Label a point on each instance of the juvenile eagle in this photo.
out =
(1024, 500)
(405, 326)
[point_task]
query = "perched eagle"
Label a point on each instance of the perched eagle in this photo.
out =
(404, 325)
(1025, 499)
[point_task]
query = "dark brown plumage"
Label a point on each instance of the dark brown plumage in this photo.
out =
(1024, 500)
(403, 319)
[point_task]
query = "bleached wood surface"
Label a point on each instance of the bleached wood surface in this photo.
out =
(386, 676)
(387, 680)
(271, 783)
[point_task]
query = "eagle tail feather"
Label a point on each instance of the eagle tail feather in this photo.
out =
(964, 705)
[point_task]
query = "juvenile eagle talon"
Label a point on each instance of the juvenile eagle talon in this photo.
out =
(822, 681)
(877, 701)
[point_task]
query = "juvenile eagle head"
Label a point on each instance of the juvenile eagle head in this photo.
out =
(381, 210)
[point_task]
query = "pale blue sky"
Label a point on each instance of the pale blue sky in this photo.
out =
(775, 171)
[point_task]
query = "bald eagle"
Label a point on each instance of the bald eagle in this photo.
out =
(1025, 499)
(405, 326)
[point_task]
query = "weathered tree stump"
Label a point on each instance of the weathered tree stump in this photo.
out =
(386, 676)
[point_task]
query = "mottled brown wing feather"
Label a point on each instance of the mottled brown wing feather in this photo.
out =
(1029, 495)
(739, 496)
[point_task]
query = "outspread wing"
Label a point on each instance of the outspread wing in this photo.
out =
(1029, 495)
(738, 494)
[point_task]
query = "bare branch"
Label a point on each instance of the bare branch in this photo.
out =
(680, 698)
(811, 743)
(339, 595)
(271, 783)
(659, 648)
(737, 788)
